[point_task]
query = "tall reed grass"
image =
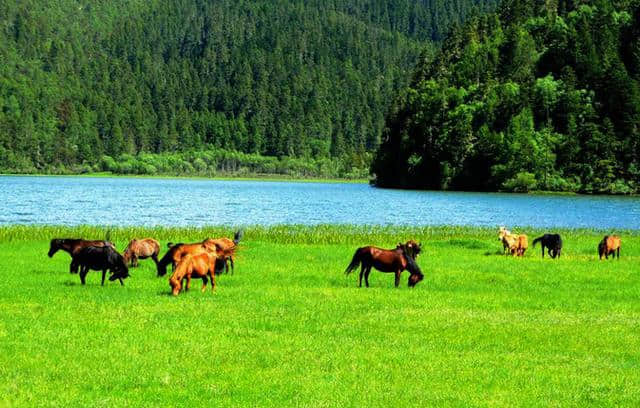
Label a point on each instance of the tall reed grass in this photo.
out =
(283, 234)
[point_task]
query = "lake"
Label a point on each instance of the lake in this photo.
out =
(181, 202)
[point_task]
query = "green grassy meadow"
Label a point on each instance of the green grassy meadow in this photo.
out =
(290, 329)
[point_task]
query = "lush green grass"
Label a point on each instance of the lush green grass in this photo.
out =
(290, 329)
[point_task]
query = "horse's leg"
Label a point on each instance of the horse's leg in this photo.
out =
(212, 275)
(135, 260)
(104, 273)
(188, 282)
(542, 251)
(231, 262)
(366, 276)
(397, 283)
(73, 267)
(83, 274)
(362, 268)
(618, 252)
(204, 284)
(121, 282)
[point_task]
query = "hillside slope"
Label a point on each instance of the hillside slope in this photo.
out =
(284, 77)
(541, 95)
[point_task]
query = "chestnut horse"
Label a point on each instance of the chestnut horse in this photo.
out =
(517, 243)
(223, 247)
(73, 246)
(199, 265)
(387, 260)
(141, 249)
(610, 245)
(177, 251)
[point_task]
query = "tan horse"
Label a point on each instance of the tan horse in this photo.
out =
(517, 243)
(199, 266)
(610, 245)
(141, 249)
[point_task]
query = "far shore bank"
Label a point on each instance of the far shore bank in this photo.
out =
(251, 177)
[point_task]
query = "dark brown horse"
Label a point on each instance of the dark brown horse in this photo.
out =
(387, 260)
(104, 258)
(141, 249)
(73, 247)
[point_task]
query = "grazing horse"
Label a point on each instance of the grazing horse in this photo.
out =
(102, 258)
(73, 246)
(610, 245)
(517, 243)
(141, 249)
(228, 248)
(552, 242)
(386, 260)
(177, 251)
(199, 265)
(223, 247)
(504, 231)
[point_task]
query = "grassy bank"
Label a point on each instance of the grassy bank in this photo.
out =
(290, 329)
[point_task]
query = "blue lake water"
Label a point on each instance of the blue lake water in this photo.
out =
(131, 201)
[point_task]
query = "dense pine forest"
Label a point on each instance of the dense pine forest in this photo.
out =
(197, 87)
(541, 95)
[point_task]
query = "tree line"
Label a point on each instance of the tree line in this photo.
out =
(84, 82)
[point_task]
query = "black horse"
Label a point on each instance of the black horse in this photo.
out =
(102, 258)
(552, 242)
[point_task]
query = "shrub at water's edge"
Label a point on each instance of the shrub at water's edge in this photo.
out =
(538, 96)
(217, 163)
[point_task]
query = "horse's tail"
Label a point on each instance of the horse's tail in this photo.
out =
(238, 236)
(535, 241)
(355, 261)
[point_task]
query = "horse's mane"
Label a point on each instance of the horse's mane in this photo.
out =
(412, 266)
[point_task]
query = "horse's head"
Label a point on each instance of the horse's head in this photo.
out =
(503, 232)
(120, 269)
(126, 255)
(416, 274)
(414, 279)
(54, 246)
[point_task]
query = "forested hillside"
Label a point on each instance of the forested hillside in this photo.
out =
(541, 95)
(82, 80)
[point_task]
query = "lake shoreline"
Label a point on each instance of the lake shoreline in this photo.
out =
(252, 177)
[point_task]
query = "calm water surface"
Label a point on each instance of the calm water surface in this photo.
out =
(129, 201)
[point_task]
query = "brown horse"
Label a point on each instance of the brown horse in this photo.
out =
(227, 250)
(517, 243)
(141, 249)
(387, 260)
(610, 245)
(223, 247)
(177, 251)
(199, 265)
(73, 247)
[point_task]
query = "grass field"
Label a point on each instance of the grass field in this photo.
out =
(289, 329)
